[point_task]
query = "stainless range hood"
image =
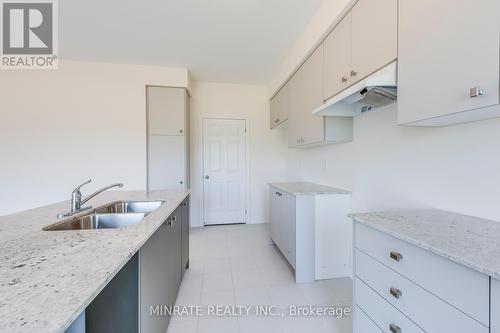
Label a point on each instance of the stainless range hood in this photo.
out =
(371, 93)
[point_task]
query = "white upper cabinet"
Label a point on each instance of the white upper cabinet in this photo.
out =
(448, 61)
(337, 53)
(362, 43)
(279, 107)
(306, 94)
(374, 36)
(166, 107)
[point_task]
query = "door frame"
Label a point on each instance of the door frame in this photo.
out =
(247, 166)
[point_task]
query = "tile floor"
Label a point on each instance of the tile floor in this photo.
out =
(238, 265)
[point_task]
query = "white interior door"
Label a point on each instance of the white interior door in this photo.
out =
(225, 171)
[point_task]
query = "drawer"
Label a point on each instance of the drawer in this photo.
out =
(462, 287)
(383, 314)
(363, 324)
(431, 313)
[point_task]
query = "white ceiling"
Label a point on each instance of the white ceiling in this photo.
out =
(217, 40)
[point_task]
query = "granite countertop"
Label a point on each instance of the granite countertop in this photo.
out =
(467, 240)
(47, 278)
(301, 188)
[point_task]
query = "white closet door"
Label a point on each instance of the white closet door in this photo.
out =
(166, 164)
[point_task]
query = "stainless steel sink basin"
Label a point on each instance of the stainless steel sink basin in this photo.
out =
(98, 221)
(129, 207)
(117, 214)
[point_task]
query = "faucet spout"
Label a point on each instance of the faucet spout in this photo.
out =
(76, 198)
(120, 185)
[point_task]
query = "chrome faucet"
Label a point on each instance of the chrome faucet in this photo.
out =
(76, 198)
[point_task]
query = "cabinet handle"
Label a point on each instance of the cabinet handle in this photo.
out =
(396, 256)
(181, 131)
(354, 73)
(396, 292)
(279, 194)
(476, 92)
(173, 218)
(184, 204)
(181, 182)
(207, 177)
(395, 328)
(344, 79)
(276, 120)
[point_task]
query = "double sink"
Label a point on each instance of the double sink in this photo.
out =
(113, 215)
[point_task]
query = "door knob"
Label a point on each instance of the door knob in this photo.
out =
(207, 177)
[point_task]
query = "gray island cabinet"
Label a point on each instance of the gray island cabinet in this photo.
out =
(136, 298)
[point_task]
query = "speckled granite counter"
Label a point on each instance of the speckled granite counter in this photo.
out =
(300, 188)
(470, 241)
(47, 278)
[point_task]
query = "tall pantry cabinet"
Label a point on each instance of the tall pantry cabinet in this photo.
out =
(167, 138)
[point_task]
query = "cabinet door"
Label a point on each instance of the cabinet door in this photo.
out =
(166, 108)
(306, 94)
(295, 109)
(166, 162)
(313, 127)
(174, 255)
(279, 107)
(185, 234)
(446, 48)
(154, 279)
(337, 49)
(495, 306)
(374, 36)
(276, 216)
(289, 227)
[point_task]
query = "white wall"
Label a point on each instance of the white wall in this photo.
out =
(390, 167)
(85, 120)
(267, 148)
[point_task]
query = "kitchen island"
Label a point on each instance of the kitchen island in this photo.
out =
(48, 278)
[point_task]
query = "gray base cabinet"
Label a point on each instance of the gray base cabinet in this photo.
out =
(137, 298)
(185, 235)
(160, 274)
(115, 309)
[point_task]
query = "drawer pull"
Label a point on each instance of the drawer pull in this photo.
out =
(396, 292)
(279, 194)
(396, 256)
(395, 328)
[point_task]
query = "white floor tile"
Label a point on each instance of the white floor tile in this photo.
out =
(260, 325)
(218, 298)
(217, 325)
(238, 265)
(247, 278)
(252, 296)
(217, 282)
(188, 326)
